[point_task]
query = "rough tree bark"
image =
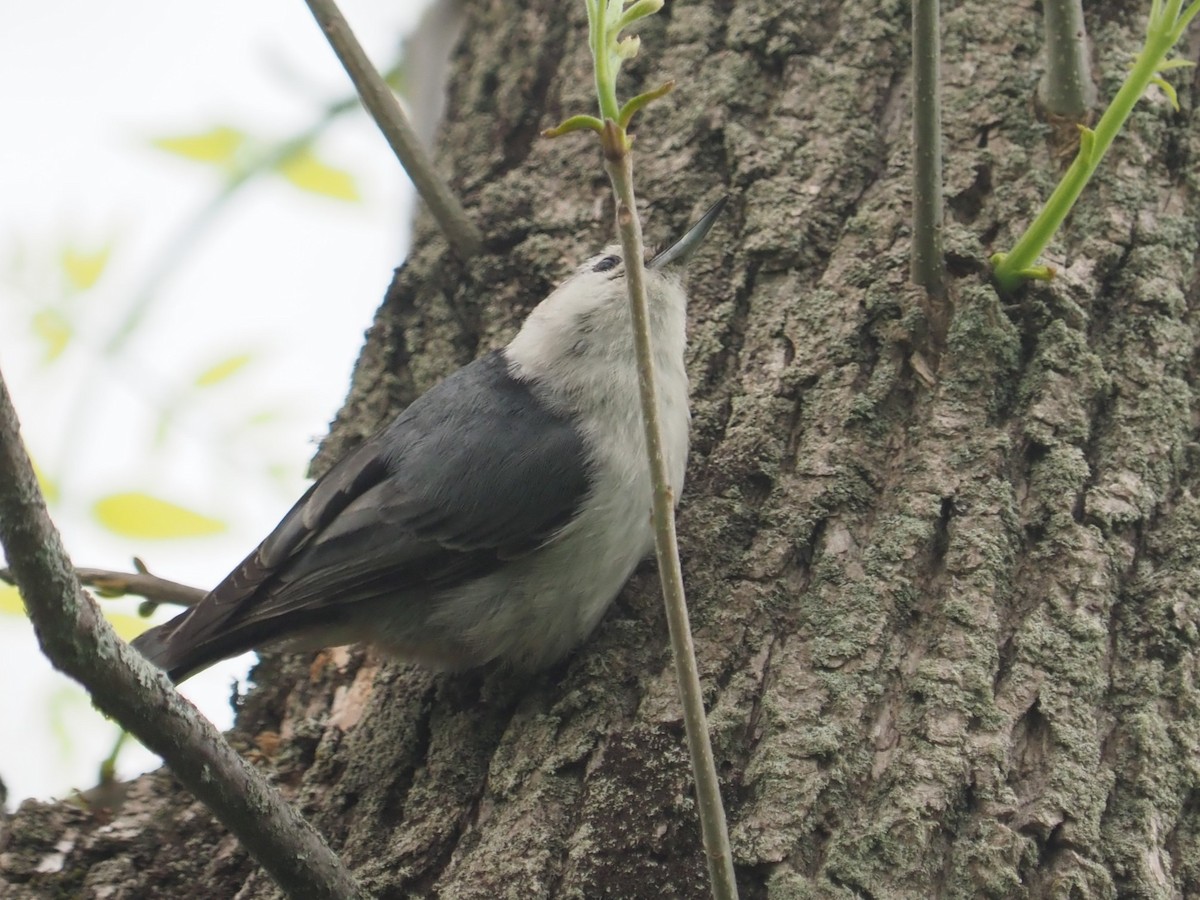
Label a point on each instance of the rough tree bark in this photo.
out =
(945, 598)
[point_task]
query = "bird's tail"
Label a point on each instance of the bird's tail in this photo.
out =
(177, 652)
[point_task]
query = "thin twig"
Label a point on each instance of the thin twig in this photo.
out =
(140, 584)
(1066, 88)
(80, 642)
(928, 267)
(713, 828)
(136, 584)
(381, 103)
(132, 584)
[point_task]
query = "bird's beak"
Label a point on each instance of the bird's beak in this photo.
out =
(686, 245)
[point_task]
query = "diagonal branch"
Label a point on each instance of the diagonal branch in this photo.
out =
(381, 103)
(81, 643)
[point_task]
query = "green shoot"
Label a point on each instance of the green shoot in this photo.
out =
(1165, 26)
(606, 20)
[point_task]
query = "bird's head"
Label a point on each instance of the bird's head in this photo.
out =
(587, 316)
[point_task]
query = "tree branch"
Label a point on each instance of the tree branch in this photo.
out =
(137, 584)
(381, 103)
(81, 643)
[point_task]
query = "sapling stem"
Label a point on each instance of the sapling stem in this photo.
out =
(928, 266)
(1163, 30)
(1066, 88)
(714, 831)
(606, 18)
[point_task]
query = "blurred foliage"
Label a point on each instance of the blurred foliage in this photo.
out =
(82, 308)
(219, 145)
(83, 268)
(223, 369)
(307, 172)
(52, 327)
(240, 155)
(81, 319)
(136, 514)
(52, 281)
(10, 601)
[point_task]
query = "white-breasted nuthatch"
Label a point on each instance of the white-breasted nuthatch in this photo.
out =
(496, 518)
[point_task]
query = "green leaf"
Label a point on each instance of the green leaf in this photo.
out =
(84, 269)
(575, 123)
(218, 146)
(10, 601)
(638, 10)
(127, 626)
(632, 106)
(138, 515)
(55, 331)
(223, 369)
(1167, 88)
(307, 172)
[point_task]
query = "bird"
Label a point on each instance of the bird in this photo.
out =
(495, 518)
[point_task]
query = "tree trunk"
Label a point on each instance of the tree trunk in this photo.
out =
(944, 592)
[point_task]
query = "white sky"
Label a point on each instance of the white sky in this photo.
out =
(293, 277)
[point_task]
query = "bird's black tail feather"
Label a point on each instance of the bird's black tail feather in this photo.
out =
(173, 649)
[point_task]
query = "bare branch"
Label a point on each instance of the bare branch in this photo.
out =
(136, 584)
(81, 643)
(381, 103)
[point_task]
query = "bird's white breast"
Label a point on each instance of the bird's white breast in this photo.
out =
(554, 597)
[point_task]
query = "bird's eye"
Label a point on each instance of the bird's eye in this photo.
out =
(605, 264)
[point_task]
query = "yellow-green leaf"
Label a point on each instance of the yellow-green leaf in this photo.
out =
(127, 626)
(138, 515)
(55, 331)
(307, 172)
(83, 269)
(218, 145)
(1167, 88)
(264, 417)
(10, 601)
(1176, 64)
(225, 368)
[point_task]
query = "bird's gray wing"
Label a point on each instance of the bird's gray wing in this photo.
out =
(473, 473)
